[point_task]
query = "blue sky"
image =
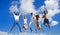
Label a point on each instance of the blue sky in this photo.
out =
(6, 19)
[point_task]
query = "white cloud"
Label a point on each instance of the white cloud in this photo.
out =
(5, 33)
(54, 23)
(43, 34)
(10, 34)
(32, 34)
(52, 7)
(41, 9)
(27, 6)
(14, 7)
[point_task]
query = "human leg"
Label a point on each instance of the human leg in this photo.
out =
(12, 27)
(19, 27)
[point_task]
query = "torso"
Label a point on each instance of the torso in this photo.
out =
(46, 16)
(33, 18)
(25, 21)
(16, 17)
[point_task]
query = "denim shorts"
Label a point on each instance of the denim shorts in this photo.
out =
(46, 21)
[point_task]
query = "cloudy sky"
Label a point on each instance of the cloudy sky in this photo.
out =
(26, 7)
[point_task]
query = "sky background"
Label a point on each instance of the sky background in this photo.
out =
(7, 19)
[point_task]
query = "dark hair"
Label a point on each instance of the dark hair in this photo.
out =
(24, 17)
(16, 13)
(31, 14)
(46, 12)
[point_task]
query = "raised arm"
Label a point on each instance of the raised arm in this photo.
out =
(19, 14)
(46, 10)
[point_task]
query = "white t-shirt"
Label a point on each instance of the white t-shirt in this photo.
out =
(25, 21)
(33, 18)
(16, 17)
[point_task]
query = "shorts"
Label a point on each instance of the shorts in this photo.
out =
(38, 25)
(25, 24)
(46, 21)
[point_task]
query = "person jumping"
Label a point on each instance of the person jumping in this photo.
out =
(16, 15)
(25, 23)
(46, 20)
(33, 20)
(38, 22)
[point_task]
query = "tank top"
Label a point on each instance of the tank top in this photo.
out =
(25, 21)
(16, 17)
